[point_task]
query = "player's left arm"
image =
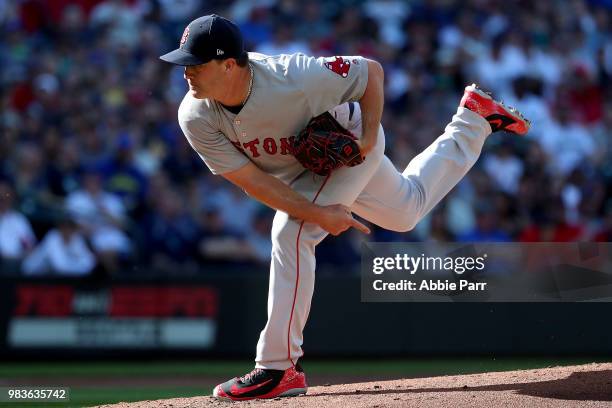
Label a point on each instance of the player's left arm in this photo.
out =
(371, 104)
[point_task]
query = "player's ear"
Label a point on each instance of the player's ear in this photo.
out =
(229, 64)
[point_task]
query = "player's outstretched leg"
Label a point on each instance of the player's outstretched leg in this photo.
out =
(264, 383)
(398, 201)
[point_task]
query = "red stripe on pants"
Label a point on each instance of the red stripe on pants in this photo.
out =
(297, 278)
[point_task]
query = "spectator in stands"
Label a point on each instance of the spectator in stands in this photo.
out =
(584, 95)
(102, 218)
(63, 176)
(171, 233)
(504, 168)
(29, 182)
(566, 142)
(283, 41)
(257, 240)
(180, 162)
(123, 178)
(16, 235)
(438, 231)
(222, 244)
(237, 213)
(62, 252)
(528, 93)
(605, 232)
(553, 226)
(487, 227)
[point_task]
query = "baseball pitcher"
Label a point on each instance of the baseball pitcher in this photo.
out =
(242, 114)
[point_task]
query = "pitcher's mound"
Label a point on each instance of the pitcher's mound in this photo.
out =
(574, 386)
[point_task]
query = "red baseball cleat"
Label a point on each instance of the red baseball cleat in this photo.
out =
(499, 116)
(262, 383)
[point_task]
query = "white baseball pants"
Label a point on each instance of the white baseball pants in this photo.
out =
(374, 190)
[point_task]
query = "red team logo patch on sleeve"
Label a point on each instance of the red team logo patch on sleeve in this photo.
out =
(338, 65)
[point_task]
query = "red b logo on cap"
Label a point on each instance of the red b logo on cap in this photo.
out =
(184, 37)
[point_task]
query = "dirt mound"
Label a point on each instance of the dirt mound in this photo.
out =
(574, 386)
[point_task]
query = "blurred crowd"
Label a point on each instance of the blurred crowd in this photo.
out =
(96, 176)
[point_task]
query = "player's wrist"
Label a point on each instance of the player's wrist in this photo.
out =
(367, 142)
(310, 212)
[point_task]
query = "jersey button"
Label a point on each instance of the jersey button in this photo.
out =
(237, 121)
(243, 134)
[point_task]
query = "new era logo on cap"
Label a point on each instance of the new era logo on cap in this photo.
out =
(220, 52)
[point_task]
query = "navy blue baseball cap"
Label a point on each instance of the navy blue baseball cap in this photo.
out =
(207, 38)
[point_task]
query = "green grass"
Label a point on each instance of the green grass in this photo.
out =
(95, 396)
(87, 396)
(216, 371)
(137, 368)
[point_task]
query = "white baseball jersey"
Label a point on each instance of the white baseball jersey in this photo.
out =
(289, 90)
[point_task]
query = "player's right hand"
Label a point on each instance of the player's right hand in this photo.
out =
(337, 218)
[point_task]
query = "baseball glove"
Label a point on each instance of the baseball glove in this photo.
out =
(324, 146)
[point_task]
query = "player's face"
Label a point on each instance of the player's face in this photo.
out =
(205, 80)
